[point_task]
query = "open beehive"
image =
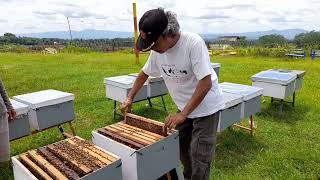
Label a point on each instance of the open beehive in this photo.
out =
(144, 148)
(73, 158)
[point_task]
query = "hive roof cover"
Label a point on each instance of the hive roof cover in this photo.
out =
(275, 77)
(215, 65)
(121, 81)
(19, 107)
(230, 99)
(299, 73)
(150, 78)
(44, 98)
(247, 92)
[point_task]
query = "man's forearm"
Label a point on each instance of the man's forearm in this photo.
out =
(201, 91)
(141, 79)
(4, 96)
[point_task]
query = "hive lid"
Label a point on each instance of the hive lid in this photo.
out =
(275, 77)
(44, 98)
(150, 79)
(230, 99)
(247, 92)
(124, 81)
(19, 107)
(215, 65)
(299, 73)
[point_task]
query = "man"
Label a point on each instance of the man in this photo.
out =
(7, 113)
(183, 61)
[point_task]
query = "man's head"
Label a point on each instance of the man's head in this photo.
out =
(158, 31)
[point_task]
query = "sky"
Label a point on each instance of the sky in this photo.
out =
(200, 16)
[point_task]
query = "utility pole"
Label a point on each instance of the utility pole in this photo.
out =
(69, 29)
(134, 4)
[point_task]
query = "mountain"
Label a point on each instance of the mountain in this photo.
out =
(102, 34)
(85, 34)
(287, 33)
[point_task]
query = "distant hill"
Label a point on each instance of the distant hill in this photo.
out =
(102, 34)
(287, 33)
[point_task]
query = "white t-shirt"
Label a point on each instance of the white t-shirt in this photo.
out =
(181, 67)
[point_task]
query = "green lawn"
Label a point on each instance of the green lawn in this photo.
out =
(283, 147)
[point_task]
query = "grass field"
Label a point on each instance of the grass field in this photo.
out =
(283, 147)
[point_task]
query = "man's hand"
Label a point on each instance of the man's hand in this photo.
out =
(126, 105)
(173, 120)
(12, 114)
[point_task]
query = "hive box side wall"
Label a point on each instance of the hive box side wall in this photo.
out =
(217, 70)
(298, 84)
(159, 158)
(157, 88)
(251, 107)
(127, 154)
(229, 116)
(112, 171)
(271, 90)
(20, 172)
(20, 127)
(120, 94)
(50, 116)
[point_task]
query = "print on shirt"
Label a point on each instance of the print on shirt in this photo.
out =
(175, 74)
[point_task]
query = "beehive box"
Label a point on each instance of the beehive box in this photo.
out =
(300, 75)
(73, 158)
(156, 86)
(231, 113)
(48, 108)
(275, 84)
(118, 88)
(145, 153)
(216, 67)
(251, 97)
(19, 127)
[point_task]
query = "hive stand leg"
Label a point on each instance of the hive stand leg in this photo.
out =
(294, 99)
(62, 132)
(164, 104)
(251, 125)
(114, 110)
(271, 99)
(72, 129)
(149, 101)
(281, 106)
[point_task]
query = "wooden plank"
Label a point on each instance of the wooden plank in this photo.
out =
(137, 131)
(120, 139)
(97, 149)
(102, 162)
(36, 170)
(78, 167)
(44, 164)
(134, 133)
(71, 174)
(157, 136)
(146, 124)
(128, 136)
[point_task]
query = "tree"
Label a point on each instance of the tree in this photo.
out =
(273, 40)
(310, 39)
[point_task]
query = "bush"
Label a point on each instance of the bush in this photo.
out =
(74, 49)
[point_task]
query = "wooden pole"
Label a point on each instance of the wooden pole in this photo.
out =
(134, 4)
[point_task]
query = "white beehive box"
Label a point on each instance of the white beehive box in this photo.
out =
(48, 108)
(48, 169)
(147, 163)
(19, 127)
(118, 88)
(300, 75)
(156, 86)
(216, 67)
(275, 84)
(251, 97)
(231, 113)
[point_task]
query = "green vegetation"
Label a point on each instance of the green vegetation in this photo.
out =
(283, 147)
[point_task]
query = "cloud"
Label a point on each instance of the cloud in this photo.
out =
(212, 17)
(3, 21)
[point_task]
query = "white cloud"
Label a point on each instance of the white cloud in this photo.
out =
(202, 16)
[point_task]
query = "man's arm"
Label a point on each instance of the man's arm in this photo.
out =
(141, 79)
(4, 96)
(201, 91)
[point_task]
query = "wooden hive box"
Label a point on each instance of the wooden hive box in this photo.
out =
(145, 153)
(72, 158)
(19, 127)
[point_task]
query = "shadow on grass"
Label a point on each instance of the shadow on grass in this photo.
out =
(235, 149)
(271, 112)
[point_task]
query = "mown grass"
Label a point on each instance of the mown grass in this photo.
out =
(284, 146)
